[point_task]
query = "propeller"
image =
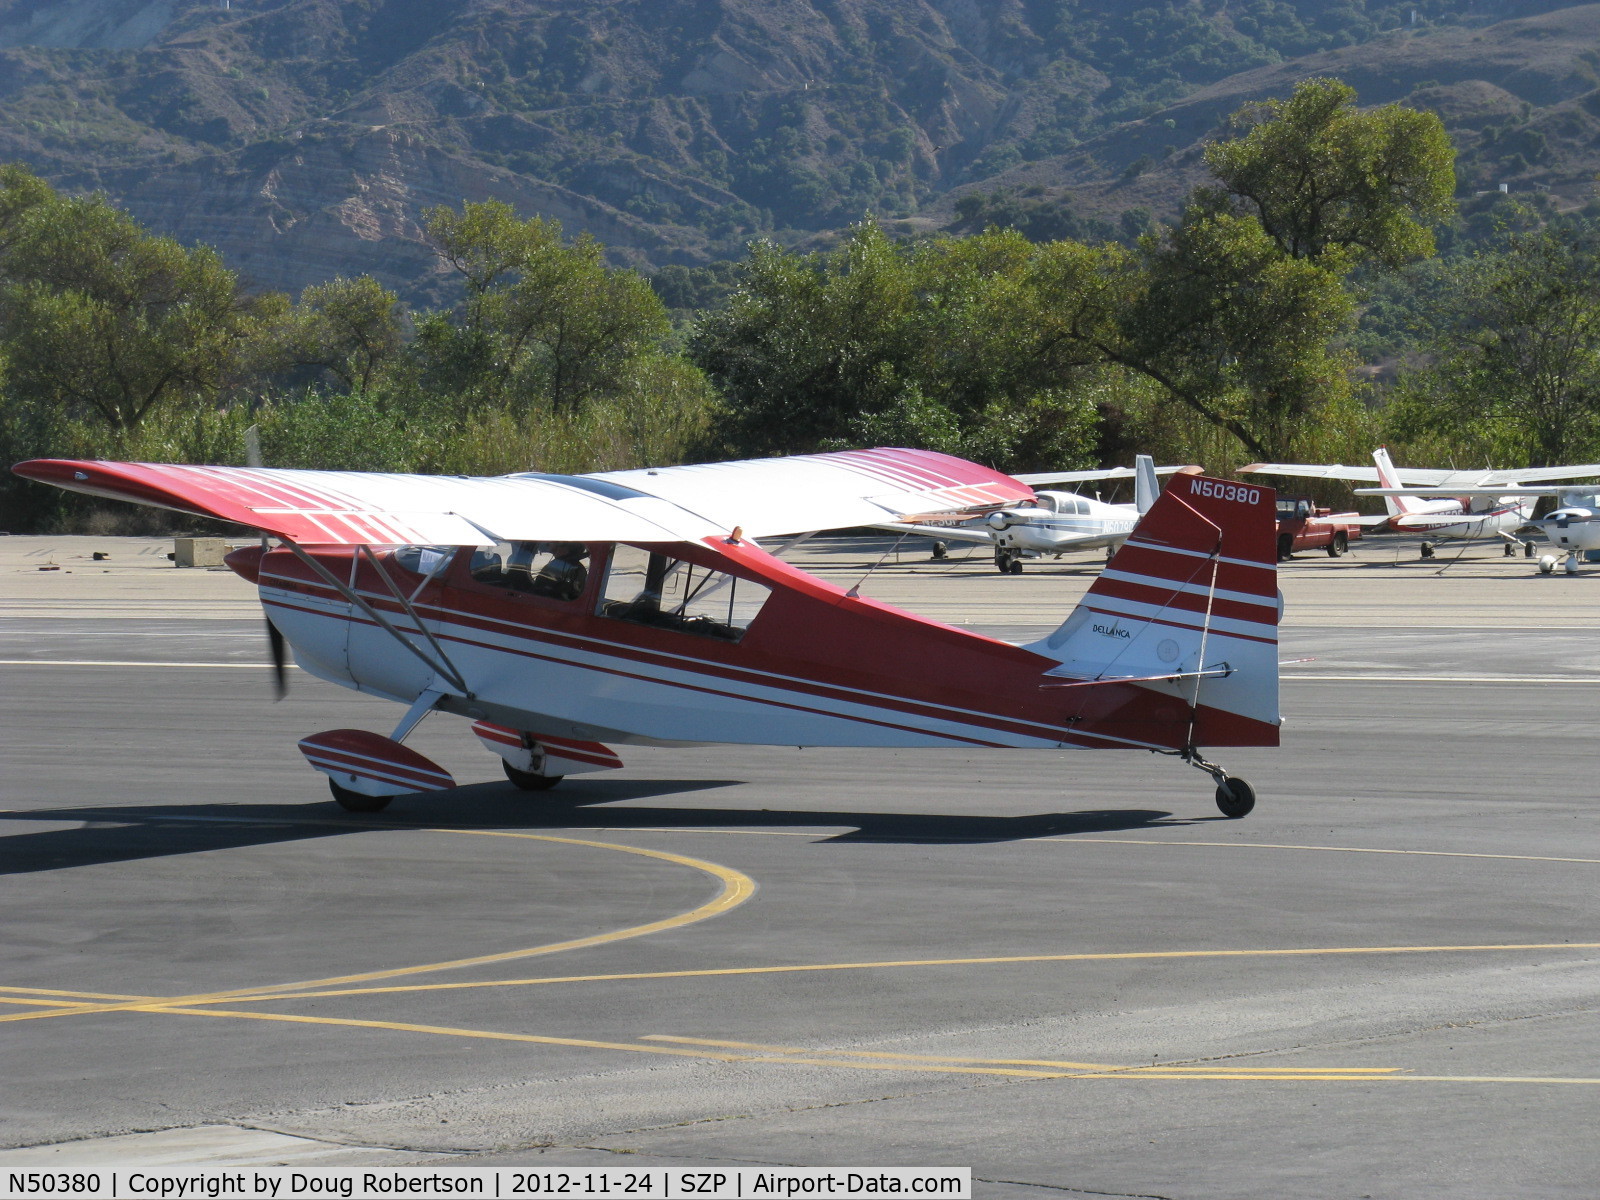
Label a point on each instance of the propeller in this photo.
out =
(280, 674)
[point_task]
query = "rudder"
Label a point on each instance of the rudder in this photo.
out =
(1189, 607)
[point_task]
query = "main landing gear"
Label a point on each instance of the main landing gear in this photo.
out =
(528, 781)
(357, 802)
(1235, 797)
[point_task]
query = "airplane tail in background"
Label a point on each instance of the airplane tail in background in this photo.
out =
(1387, 478)
(1146, 487)
(1188, 610)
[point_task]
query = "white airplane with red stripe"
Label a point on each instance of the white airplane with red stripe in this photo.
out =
(1442, 505)
(565, 615)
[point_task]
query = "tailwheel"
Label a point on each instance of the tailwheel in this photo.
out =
(528, 781)
(1235, 798)
(358, 802)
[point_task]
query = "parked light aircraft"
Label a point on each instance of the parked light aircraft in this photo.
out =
(1440, 504)
(1573, 528)
(1051, 522)
(562, 613)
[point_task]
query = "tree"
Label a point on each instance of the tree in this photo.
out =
(1241, 302)
(1519, 350)
(1322, 177)
(351, 327)
(1237, 330)
(936, 345)
(545, 322)
(100, 317)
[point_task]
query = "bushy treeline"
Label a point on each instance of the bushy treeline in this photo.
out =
(115, 343)
(1230, 335)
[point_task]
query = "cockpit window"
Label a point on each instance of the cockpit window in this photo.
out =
(671, 593)
(423, 560)
(557, 570)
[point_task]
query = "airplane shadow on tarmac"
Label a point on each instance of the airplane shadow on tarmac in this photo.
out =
(124, 834)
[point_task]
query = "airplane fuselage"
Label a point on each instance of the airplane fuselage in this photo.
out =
(772, 656)
(1445, 519)
(1061, 521)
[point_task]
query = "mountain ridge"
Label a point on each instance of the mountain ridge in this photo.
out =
(304, 137)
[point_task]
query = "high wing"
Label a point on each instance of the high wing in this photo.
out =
(1415, 477)
(770, 496)
(1539, 474)
(1339, 471)
(1088, 476)
(762, 496)
(1463, 492)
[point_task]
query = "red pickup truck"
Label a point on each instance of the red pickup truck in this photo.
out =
(1304, 526)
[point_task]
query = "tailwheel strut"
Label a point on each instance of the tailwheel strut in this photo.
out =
(1235, 797)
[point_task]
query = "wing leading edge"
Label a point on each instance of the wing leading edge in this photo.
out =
(763, 497)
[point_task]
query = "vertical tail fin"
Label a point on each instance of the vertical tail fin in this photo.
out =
(1389, 479)
(1188, 609)
(1146, 487)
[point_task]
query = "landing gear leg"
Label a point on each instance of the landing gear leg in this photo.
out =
(1235, 797)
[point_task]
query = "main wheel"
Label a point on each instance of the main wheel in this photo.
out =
(1339, 545)
(1285, 546)
(1235, 798)
(357, 801)
(528, 781)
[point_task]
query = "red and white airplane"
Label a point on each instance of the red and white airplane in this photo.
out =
(1442, 505)
(565, 614)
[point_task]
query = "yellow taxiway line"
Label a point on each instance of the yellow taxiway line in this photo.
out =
(736, 889)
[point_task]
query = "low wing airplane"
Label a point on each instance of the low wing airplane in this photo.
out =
(1052, 522)
(1443, 504)
(473, 597)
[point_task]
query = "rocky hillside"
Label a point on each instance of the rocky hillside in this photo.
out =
(304, 137)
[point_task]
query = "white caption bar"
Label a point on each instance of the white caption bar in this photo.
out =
(645, 1183)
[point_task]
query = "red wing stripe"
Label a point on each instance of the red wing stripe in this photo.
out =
(330, 763)
(358, 761)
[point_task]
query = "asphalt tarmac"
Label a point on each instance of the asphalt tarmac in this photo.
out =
(1064, 970)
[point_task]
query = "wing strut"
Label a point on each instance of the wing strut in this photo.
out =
(442, 666)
